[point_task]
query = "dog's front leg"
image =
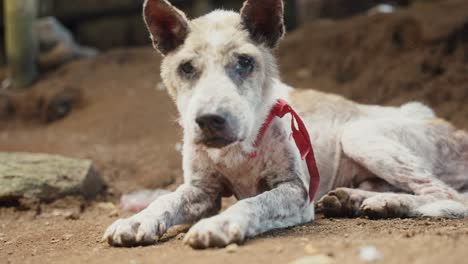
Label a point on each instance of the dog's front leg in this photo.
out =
(286, 205)
(186, 205)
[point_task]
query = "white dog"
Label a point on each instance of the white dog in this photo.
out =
(220, 71)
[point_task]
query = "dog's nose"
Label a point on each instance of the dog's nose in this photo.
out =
(211, 122)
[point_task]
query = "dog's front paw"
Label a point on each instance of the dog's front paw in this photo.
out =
(384, 206)
(342, 202)
(140, 229)
(215, 232)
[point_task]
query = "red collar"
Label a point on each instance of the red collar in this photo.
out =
(301, 138)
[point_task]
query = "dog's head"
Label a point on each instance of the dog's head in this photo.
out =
(218, 68)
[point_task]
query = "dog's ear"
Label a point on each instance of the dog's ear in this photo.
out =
(167, 25)
(264, 20)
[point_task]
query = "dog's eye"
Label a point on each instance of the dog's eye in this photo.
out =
(187, 69)
(245, 65)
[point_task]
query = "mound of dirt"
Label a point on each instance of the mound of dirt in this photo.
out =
(416, 54)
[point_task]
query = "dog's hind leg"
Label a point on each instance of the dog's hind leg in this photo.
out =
(402, 153)
(343, 202)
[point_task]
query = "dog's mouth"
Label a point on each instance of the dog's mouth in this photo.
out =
(216, 142)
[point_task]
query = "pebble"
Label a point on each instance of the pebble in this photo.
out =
(53, 241)
(232, 248)
(318, 259)
(72, 216)
(311, 250)
(107, 206)
(369, 254)
(114, 213)
(410, 234)
(67, 236)
(303, 73)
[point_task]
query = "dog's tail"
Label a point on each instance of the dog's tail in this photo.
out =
(444, 209)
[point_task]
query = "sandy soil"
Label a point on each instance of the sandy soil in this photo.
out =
(53, 239)
(122, 121)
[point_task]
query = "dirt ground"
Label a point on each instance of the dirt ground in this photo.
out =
(124, 122)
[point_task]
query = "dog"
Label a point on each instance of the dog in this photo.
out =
(374, 161)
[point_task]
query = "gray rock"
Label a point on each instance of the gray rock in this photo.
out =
(46, 177)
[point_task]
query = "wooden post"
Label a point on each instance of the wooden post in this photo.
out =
(21, 40)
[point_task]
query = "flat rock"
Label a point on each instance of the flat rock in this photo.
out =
(46, 177)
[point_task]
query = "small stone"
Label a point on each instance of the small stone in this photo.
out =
(303, 73)
(311, 250)
(174, 232)
(106, 206)
(53, 241)
(67, 236)
(410, 234)
(369, 254)
(114, 213)
(232, 248)
(318, 259)
(72, 216)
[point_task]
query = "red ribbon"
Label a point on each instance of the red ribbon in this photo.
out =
(301, 138)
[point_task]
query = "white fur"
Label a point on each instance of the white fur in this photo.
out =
(443, 208)
(405, 149)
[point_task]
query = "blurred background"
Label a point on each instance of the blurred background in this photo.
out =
(121, 24)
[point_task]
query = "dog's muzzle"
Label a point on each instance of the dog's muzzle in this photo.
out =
(215, 131)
